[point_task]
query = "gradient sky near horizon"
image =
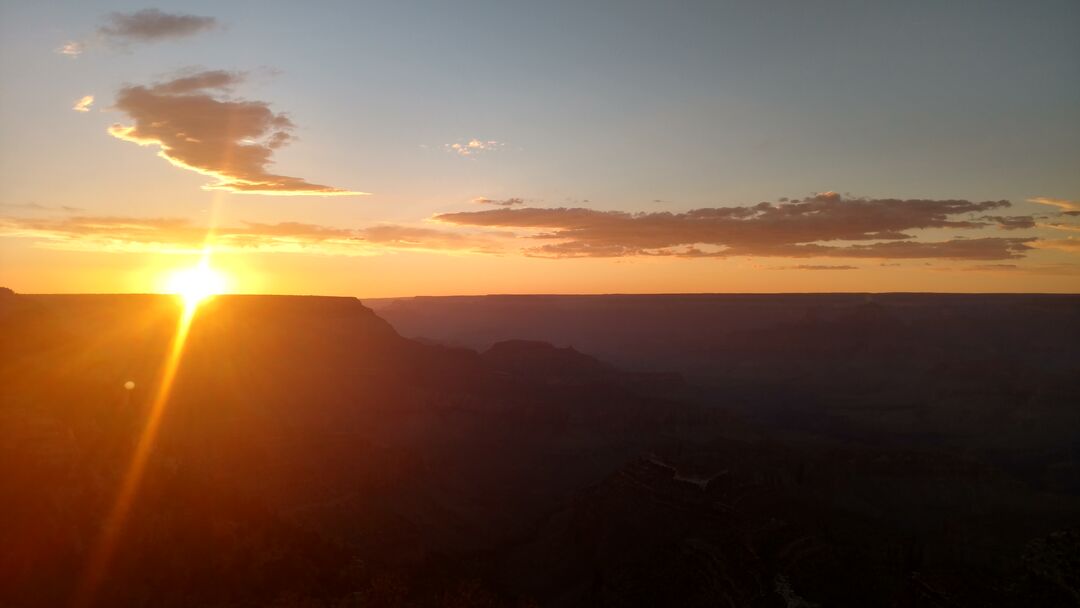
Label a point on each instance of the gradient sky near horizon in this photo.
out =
(428, 148)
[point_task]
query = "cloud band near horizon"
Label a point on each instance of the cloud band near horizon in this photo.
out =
(179, 235)
(824, 225)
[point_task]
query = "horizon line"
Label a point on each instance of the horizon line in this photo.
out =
(581, 295)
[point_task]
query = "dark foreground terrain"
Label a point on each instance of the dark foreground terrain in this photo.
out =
(785, 451)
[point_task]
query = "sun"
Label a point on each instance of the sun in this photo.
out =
(196, 284)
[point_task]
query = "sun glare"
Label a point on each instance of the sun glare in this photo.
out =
(196, 284)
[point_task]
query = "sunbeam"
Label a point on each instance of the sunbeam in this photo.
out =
(102, 554)
(194, 286)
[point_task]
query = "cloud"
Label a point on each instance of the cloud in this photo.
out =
(120, 30)
(177, 235)
(1066, 227)
(473, 147)
(956, 249)
(1065, 206)
(150, 25)
(824, 226)
(506, 202)
(992, 268)
(797, 228)
(408, 237)
(199, 81)
(1034, 269)
(84, 103)
(1070, 245)
(35, 207)
(815, 267)
(24, 206)
(71, 49)
(1015, 222)
(200, 129)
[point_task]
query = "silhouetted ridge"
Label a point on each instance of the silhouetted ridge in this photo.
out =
(531, 358)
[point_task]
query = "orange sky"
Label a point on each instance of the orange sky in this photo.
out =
(395, 274)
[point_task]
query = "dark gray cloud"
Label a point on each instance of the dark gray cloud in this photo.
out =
(198, 129)
(151, 24)
(798, 228)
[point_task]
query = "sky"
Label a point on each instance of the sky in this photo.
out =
(380, 149)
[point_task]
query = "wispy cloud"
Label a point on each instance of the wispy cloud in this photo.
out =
(23, 206)
(84, 103)
(71, 49)
(410, 237)
(36, 207)
(824, 225)
(505, 202)
(992, 268)
(1065, 227)
(991, 248)
(1037, 269)
(176, 235)
(150, 25)
(815, 267)
(1069, 245)
(1066, 206)
(473, 147)
(1015, 222)
(198, 128)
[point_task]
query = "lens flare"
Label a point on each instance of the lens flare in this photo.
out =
(196, 284)
(193, 285)
(102, 553)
